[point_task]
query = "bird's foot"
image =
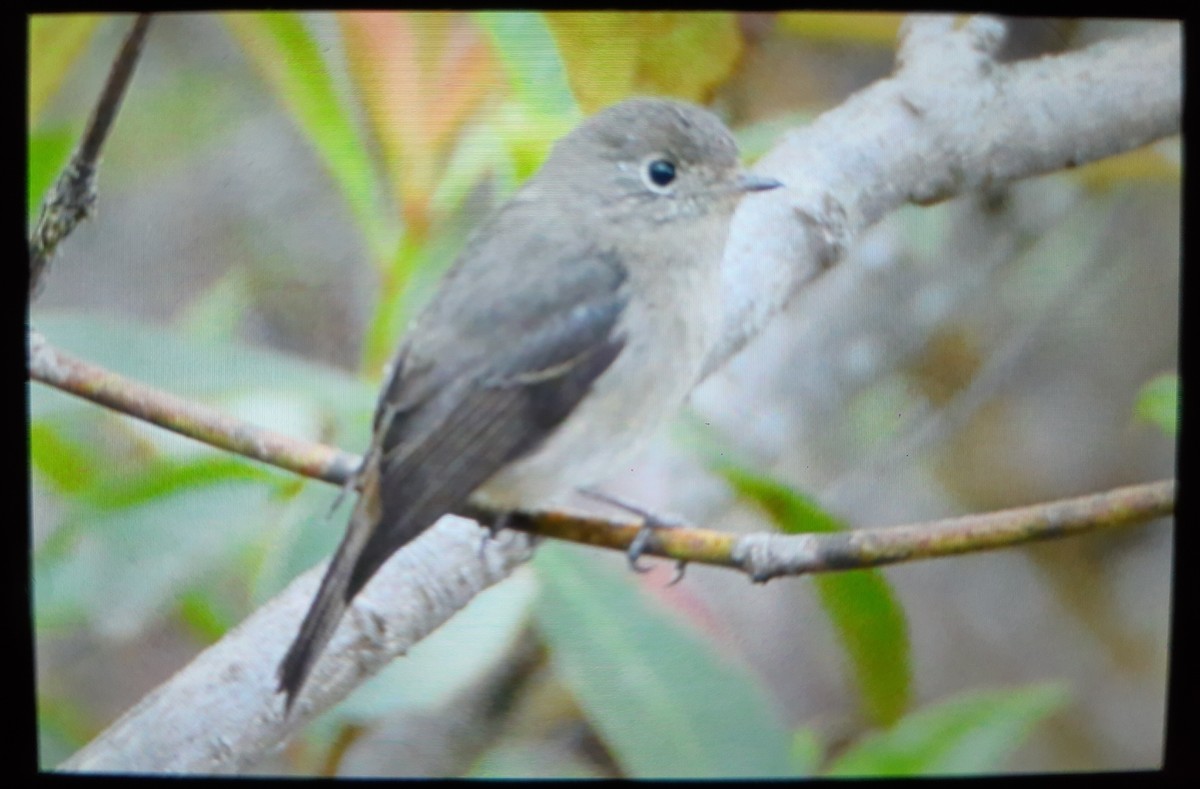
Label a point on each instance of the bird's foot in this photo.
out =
(651, 523)
(491, 527)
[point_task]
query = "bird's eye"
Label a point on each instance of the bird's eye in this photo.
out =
(659, 174)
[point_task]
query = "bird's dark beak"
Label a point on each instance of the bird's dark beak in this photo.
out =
(749, 182)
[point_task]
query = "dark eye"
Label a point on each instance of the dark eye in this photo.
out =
(661, 172)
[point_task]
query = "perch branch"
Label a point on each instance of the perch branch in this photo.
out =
(73, 197)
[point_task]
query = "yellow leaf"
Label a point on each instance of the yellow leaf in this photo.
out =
(866, 28)
(611, 55)
(1147, 164)
(55, 43)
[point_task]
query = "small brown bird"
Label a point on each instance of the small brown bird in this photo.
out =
(574, 322)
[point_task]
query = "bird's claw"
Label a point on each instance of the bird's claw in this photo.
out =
(638, 546)
(493, 527)
(680, 568)
(641, 540)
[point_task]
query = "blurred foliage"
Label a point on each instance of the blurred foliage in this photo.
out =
(664, 702)
(867, 617)
(419, 76)
(609, 56)
(867, 28)
(48, 152)
(291, 61)
(1158, 403)
(150, 514)
(514, 762)
(55, 43)
(1153, 163)
(968, 734)
(667, 703)
(434, 672)
(421, 122)
(532, 62)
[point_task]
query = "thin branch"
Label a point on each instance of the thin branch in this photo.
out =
(74, 193)
(765, 556)
(950, 120)
(762, 556)
(220, 713)
(92, 382)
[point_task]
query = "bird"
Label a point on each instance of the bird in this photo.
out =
(575, 320)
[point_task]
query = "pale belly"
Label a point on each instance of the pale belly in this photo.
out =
(610, 427)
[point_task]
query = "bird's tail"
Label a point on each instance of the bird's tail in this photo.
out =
(330, 604)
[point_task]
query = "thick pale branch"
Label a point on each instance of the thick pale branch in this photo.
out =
(763, 556)
(221, 713)
(232, 682)
(949, 121)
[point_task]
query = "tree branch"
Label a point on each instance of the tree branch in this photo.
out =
(766, 556)
(232, 683)
(74, 194)
(221, 714)
(762, 556)
(949, 121)
(187, 418)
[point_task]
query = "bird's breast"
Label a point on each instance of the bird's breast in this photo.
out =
(668, 326)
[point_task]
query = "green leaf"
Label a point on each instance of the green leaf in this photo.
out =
(217, 311)
(970, 733)
(531, 60)
(1158, 403)
(872, 628)
(290, 59)
(205, 616)
(200, 369)
(868, 619)
(664, 701)
(166, 478)
(791, 511)
(528, 759)
(806, 751)
(116, 569)
(66, 463)
(48, 153)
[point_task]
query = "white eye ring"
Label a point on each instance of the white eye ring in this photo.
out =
(659, 172)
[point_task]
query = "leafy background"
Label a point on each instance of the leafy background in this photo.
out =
(279, 194)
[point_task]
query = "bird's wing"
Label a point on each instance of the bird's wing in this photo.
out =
(436, 451)
(469, 393)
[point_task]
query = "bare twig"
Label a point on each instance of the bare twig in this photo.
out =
(220, 713)
(194, 420)
(949, 121)
(74, 194)
(763, 556)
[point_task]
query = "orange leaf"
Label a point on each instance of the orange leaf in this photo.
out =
(419, 76)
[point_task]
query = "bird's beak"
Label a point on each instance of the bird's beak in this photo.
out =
(749, 182)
